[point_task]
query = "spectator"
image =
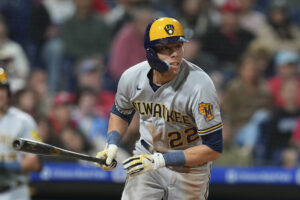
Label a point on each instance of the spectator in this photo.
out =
(233, 154)
(290, 158)
(13, 58)
(279, 33)
(60, 115)
(92, 125)
(73, 140)
(90, 74)
(228, 41)
(37, 82)
(195, 19)
(193, 52)
(17, 14)
(246, 94)
(128, 46)
(25, 99)
(85, 34)
(283, 123)
(286, 67)
(122, 13)
(251, 19)
(46, 20)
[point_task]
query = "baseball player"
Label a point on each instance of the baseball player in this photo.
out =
(14, 166)
(180, 122)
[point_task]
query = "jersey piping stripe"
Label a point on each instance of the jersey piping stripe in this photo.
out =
(210, 129)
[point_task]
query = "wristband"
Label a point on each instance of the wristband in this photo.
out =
(174, 158)
(113, 137)
(14, 167)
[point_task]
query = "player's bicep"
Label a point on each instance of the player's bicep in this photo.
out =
(206, 111)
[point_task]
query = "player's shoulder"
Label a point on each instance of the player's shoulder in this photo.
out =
(136, 71)
(196, 75)
(20, 115)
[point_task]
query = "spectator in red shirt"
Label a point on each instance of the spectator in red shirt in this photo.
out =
(286, 66)
(128, 45)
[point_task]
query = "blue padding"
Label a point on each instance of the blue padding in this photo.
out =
(214, 140)
(174, 158)
(127, 118)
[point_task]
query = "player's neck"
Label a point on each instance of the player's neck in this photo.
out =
(3, 110)
(160, 79)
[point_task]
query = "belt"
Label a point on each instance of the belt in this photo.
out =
(4, 188)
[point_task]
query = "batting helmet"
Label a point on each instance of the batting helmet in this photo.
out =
(4, 80)
(162, 31)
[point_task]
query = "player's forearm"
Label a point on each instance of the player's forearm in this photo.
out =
(118, 124)
(30, 163)
(199, 154)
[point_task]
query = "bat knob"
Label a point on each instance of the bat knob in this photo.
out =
(113, 164)
(17, 144)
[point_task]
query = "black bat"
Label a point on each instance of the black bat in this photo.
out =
(35, 147)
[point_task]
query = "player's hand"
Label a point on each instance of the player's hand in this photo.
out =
(109, 154)
(139, 164)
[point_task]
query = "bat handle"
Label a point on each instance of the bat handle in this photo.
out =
(103, 161)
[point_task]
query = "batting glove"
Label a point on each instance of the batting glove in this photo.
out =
(109, 154)
(139, 164)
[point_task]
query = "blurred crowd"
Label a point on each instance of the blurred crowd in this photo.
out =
(64, 59)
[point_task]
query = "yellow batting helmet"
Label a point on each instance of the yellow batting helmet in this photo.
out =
(3, 77)
(162, 31)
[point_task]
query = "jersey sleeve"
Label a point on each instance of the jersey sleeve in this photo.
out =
(124, 92)
(206, 109)
(29, 128)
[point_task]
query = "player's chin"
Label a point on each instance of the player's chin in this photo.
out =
(175, 69)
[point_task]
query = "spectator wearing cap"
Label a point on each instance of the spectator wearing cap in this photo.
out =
(60, 115)
(228, 41)
(286, 63)
(64, 130)
(128, 45)
(90, 74)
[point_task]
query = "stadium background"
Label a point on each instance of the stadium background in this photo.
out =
(64, 59)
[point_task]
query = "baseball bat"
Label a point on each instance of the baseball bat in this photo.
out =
(35, 147)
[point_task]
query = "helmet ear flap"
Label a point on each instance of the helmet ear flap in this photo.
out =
(155, 62)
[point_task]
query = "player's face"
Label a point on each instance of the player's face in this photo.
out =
(3, 98)
(172, 54)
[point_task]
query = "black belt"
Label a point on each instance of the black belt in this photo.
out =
(4, 188)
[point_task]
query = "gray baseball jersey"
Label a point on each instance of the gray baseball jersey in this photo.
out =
(15, 123)
(172, 118)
